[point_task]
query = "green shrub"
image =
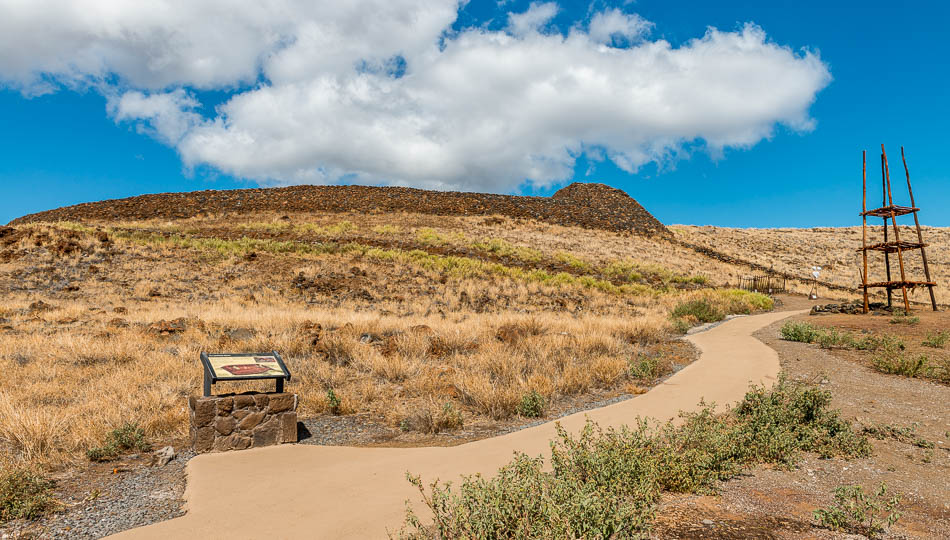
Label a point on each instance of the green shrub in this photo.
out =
(858, 512)
(681, 326)
(524, 501)
(24, 495)
(701, 310)
(876, 342)
(831, 338)
(645, 367)
(333, 402)
(892, 360)
(775, 425)
(606, 483)
(939, 368)
(937, 340)
(532, 405)
(901, 434)
(799, 331)
(126, 438)
(902, 317)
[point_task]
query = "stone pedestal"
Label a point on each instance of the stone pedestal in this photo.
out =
(239, 421)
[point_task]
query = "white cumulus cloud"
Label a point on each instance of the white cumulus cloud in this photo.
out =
(386, 92)
(613, 25)
(537, 15)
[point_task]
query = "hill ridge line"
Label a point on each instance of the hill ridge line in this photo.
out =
(587, 205)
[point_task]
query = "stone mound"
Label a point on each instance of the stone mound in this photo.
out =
(592, 206)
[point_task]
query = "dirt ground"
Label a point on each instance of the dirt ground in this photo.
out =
(771, 503)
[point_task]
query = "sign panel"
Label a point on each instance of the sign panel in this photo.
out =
(238, 367)
(245, 366)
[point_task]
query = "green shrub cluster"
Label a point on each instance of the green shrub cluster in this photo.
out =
(831, 338)
(894, 361)
(701, 310)
(334, 403)
(937, 340)
(532, 405)
(645, 367)
(606, 483)
(889, 351)
(24, 495)
(860, 512)
(799, 331)
(126, 438)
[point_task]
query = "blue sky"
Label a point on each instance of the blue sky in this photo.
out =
(888, 85)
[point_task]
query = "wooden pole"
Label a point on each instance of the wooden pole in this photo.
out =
(887, 257)
(920, 236)
(864, 225)
(897, 233)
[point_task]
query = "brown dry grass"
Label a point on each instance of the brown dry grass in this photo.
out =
(400, 328)
(833, 248)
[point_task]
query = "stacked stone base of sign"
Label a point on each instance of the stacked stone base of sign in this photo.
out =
(239, 421)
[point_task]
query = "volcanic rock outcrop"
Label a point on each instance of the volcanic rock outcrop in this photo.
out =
(593, 206)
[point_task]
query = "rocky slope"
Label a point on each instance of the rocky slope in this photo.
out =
(593, 206)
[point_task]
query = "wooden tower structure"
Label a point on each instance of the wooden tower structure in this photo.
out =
(890, 211)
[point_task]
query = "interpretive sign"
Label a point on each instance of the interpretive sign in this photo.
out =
(243, 367)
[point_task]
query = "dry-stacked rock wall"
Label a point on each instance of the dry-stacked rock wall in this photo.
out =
(239, 421)
(593, 206)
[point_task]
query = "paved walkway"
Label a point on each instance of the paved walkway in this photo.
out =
(303, 491)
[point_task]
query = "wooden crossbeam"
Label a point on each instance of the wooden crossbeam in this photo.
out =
(891, 247)
(902, 284)
(885, 211)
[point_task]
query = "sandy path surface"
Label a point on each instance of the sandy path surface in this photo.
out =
(302, 491)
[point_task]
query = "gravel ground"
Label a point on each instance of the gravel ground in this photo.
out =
(134, 496)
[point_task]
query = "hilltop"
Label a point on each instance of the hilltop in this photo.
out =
(592, 206)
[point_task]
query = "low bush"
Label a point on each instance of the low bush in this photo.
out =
(606, 483)
(830, 338)
(906, 435)
(937, 340)
(902, 317)
(334, 403)
(799, 331)
(701, 310)
(856, 511)
(681, 326)
(894, 361)
(645, 367)
(532, 405)
(127, 438)
(24, 495)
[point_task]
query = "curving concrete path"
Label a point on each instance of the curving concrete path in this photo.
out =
(303, 491)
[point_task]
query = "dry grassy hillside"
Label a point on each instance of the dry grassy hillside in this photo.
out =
(795, 251)
(426, 323)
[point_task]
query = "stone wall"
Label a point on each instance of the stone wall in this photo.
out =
(239, 421)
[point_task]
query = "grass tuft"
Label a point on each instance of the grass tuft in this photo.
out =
(129, 437)
(24, 494)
